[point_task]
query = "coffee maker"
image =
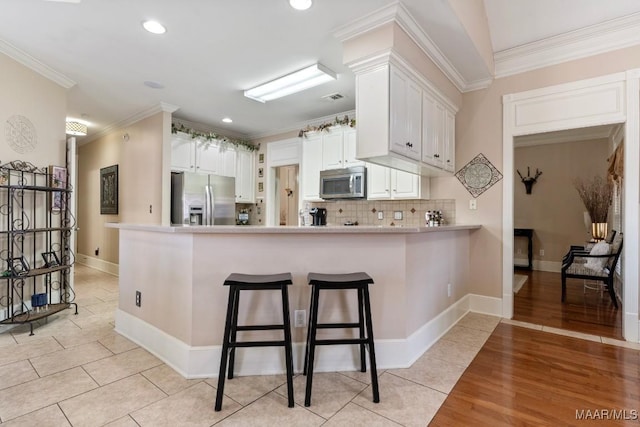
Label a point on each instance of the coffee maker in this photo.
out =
(319, 216)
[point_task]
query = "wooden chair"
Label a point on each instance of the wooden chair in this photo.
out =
(573, 266)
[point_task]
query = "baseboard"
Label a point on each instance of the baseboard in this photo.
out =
(98, 264)
(204, 362)
(538, 265)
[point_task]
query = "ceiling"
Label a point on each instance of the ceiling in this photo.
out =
(213, 50)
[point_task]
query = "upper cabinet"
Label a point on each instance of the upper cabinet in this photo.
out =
(193, 155)
(405, 111)
(339, 148)
(403, 121)
(311, 166)
(384, 183)
(438, 134)
(334, 149)
(245, 172)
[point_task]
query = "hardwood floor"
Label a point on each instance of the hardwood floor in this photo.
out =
(525, 377)
(539, 302)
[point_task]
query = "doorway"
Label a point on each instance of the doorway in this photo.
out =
(287, 195)
(604, 100)
(551, 208)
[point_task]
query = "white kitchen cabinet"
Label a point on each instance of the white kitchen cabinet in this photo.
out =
(245, 173)
(349, 149)
(438, 134)
(450, 142)
(193, 155)
(311, 166)
(227, 160)
(404, 122)
(384, 183)
(333, 149)
(405, 109)
(339, 149)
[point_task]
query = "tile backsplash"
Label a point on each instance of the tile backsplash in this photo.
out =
(366, 212)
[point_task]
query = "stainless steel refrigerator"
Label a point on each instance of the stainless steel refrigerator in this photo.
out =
(202, 199)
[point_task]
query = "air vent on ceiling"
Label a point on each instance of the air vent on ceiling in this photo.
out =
(333, 97)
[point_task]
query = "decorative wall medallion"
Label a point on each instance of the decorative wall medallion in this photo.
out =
(20, 134)
(478, 175)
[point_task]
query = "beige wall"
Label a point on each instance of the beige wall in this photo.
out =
(43, 102)
(554, 209)
(479, 130)
(139, 161)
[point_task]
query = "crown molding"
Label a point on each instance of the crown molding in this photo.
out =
(159, 108)
(397, 12)
(35, 65)
(593, 40)
(301, 125)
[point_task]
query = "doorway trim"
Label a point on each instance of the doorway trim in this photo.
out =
(609, 99)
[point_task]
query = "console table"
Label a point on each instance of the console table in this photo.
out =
(528, 233)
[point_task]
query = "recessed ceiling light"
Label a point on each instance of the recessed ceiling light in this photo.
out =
(300, 4)
(153, 85)
(154, 27)
(227, 120)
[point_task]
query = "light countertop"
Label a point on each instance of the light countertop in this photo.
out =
(260, 229)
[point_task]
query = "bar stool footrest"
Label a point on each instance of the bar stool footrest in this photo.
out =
(342, 341)
(259, 327)
(337, 325)
(256, 344)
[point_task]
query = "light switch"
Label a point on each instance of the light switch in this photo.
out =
(397, 215)
(473, 205)
(380, 215)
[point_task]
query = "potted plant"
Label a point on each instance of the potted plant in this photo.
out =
(596, 194)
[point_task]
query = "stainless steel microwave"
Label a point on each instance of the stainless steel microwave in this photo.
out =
(350, 183)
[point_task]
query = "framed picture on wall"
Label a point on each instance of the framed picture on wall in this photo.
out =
(109, 190)
(57, 179)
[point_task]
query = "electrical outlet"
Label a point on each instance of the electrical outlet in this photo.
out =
(448, 289)
(138, 299)
(541, 252)
(380, 215)
(397, 215)
(299, 318)
(473, 204)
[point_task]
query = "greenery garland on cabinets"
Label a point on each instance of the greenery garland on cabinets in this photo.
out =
(345, 121)
(211, 136)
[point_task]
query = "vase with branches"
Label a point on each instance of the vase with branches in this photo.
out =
(596, 194)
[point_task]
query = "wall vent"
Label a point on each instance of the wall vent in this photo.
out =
(333, 97)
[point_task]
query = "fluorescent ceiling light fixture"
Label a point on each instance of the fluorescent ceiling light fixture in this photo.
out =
(154, 27)
(227, 120)
(76, 128)
(300, 4)
(306, 78)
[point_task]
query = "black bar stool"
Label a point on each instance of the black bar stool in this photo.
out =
(252, 282)
(360, 282)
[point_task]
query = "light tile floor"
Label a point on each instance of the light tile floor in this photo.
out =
(77, 371)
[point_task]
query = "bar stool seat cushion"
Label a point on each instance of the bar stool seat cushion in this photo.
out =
(259, 279)
(354, 279)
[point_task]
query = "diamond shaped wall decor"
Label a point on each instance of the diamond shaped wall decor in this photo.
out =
(478, 175)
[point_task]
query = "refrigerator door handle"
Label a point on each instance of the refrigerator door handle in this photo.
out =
(208, 206)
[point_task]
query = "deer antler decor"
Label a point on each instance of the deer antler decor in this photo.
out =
(529, 180)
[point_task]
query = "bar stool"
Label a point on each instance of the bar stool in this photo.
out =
(360, 282)
(253, 282)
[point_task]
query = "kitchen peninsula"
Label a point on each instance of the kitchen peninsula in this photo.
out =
(421, 288)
